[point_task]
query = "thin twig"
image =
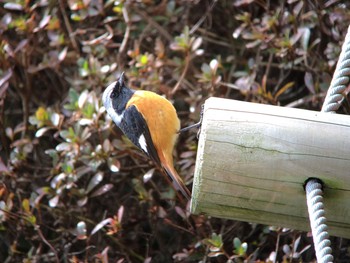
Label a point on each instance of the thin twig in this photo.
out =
(153, 23)
(277, 245)
(122, 47)
(230, 85)
(305, 100)
(268, 66)
(214, 38)
(170, 223)
(37, 228)
(68, 26)
(187, 63)
(25, 93)
(202, 19)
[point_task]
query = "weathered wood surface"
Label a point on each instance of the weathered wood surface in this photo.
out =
(253, 160)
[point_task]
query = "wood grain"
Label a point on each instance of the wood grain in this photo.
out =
(254, 159)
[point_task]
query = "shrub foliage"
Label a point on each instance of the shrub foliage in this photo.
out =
(73, 189)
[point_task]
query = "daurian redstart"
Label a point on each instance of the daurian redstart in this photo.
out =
(149, 121)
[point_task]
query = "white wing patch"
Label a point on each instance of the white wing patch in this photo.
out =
(143, 144)
(107, 102)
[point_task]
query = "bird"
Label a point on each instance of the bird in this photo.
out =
(149, 121)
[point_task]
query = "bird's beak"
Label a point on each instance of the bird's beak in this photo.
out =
(121, 79)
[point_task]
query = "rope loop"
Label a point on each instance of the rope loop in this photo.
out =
(318, 221)
(340, 80)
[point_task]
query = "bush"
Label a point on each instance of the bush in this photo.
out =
(74, 189)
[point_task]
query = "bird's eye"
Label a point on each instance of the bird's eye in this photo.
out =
(113, 94)
(116, 90)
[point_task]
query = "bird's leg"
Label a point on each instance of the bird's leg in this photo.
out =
(195, 125)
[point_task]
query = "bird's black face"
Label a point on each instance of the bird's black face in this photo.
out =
(115, 92)
(119, 87)
(116, 96)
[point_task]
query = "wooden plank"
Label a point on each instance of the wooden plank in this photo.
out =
(253, 160)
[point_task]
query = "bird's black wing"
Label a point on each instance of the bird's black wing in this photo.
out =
(134, 126)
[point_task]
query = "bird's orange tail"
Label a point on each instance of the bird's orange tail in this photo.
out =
(177, 181)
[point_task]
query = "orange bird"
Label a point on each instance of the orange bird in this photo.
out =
(149, 121)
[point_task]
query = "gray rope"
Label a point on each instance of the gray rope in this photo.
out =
(313, 188)
(318, 221)
(340, 79)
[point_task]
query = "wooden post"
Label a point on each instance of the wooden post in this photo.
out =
(254, 159)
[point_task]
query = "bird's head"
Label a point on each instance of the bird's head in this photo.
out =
(116, 96)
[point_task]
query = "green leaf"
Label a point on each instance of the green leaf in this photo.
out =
(81, 230)
(237, 242)
(67, 168)
(75, 17)
(73, 97)
(215, 240)
(306, 38)
(64, 146)
(102, 190)
(95, 180)
(88, 110)
(25, 205)
(240, 248)
(140, 189)
(31, 219)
